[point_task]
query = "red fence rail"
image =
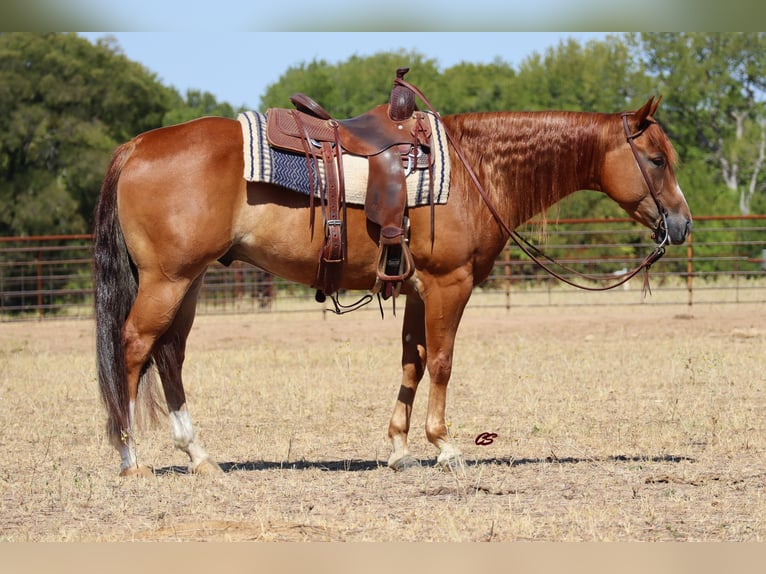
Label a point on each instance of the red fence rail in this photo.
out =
(723, 262)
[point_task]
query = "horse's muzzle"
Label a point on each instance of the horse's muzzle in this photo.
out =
(673, 228)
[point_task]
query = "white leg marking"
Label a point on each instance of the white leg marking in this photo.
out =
(448, 451)
(399, 450)
(185, 438)
(127, 445)
(450, 458)
(182, 428)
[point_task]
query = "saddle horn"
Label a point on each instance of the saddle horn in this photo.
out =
(402, 100)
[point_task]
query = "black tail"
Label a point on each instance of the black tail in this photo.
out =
(116, 285)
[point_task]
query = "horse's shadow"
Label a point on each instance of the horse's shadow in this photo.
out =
(354, 465)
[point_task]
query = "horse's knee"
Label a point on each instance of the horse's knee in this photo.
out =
(440, 368)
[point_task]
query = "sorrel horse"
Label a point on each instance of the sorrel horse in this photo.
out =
(174, 201)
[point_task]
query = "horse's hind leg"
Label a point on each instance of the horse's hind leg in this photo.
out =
(169, 355)
(150, 316)
(413, 368)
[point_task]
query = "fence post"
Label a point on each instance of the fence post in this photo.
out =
(39, 285)
(690, 267)
(507, 274)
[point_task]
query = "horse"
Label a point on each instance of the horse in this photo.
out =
(174, 201)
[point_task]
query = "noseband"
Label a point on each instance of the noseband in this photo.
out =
(536, 254)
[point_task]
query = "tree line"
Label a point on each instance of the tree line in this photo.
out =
(65, 104)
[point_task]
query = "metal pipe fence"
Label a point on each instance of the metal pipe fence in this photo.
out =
(723, 262)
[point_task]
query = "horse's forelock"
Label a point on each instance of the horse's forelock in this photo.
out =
(660, 140)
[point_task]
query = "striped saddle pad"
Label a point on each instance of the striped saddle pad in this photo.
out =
(264, 163)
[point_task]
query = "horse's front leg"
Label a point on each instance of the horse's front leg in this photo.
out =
(413, 368)
(444, 306)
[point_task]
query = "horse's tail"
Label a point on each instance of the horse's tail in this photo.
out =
(115, 281)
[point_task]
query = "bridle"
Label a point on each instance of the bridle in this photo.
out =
(534, 253)
(662, 225)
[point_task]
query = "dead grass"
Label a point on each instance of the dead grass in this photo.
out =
(613, 423)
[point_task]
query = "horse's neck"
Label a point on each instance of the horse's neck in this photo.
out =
(528, 161)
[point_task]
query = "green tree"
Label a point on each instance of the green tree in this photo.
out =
(197, 105)
(352, 87)
(469, 87)
(601, 76)
(718, 109)
(65, 105)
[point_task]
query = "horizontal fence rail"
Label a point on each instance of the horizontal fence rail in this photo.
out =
(723, 262)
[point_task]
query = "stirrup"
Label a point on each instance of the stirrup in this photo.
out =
(393, 271)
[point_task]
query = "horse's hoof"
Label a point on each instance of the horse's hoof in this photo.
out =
(207, 468)
(454, 463)
(140, 471)
(404, 463)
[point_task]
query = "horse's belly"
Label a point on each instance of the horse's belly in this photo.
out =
(279, 239)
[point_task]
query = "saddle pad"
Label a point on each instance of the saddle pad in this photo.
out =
(269, 165)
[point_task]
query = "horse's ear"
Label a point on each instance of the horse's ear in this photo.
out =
(657, 100)
(648, 109)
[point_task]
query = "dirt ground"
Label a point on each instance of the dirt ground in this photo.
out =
(226, 331)
(607, 423)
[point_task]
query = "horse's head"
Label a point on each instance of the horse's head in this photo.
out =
(639, 175)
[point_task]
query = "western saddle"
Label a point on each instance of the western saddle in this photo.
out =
(395, 138)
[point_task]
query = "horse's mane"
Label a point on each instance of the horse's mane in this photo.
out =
(531, 160)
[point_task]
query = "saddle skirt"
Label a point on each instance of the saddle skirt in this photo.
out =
(267, 164)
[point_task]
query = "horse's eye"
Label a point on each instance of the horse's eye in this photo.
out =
(658, 160)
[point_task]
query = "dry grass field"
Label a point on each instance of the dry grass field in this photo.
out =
(638, 423)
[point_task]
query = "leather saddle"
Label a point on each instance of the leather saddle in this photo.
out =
(395, 138)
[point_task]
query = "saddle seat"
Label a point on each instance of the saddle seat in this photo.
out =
(395, 139)
(364, 135)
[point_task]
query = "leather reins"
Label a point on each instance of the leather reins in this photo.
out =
(534, 253)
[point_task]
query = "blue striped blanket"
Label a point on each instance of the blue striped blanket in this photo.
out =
(266, 164)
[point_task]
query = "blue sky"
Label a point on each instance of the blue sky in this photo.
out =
(237, 67)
